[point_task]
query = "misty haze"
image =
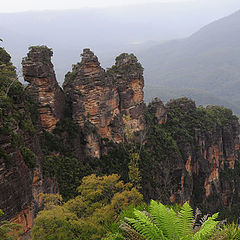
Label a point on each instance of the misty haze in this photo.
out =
(119, 120)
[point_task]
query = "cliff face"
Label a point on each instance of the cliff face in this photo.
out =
(127, 74)
(191, 148)
(203, 166)
(94, 98)
(187, 153)
(43, 87)
(20, 153)
(102, 98)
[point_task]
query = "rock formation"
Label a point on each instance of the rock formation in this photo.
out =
(43, 87)
(157, 108)
(21, 183)
(189, 153)
(94, 98)
(203, 166)
(21, 155)
(127, 74)
(102, 98)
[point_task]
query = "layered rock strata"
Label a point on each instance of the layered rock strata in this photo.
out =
(21, 178)
(203, 166)
(93, 96)
(157, 108)
(101, 98)
(127, 74)
(43, 86)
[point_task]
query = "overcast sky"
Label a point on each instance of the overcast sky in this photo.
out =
(27, 5)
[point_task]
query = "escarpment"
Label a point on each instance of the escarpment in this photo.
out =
(21, 156)
(43, 87)
(201, 163)
(187, 153)
(102, 98)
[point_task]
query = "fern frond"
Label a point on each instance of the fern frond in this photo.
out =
(145, 226)
(164, 218)
(130, 233)
(185, 223)
(207, 228)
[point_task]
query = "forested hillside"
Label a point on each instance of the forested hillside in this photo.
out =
(51, 138)
(205, 65)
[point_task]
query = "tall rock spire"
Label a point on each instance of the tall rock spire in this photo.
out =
(94, 98)
(39, 72)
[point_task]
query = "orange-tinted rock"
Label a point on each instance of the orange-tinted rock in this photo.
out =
(188, 165)
(207, 169)
(15, 185)
(102, 98)
(127, 74)
(94, 98)
(25, 218)
(43, 86)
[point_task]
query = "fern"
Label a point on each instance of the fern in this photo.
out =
(207, 228)
(145, 226)
(130, 233)
(185, 223)
(164, 218)
(162, 223)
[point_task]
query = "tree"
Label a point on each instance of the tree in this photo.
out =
(133, 152)
(8, 231)
(90, 214)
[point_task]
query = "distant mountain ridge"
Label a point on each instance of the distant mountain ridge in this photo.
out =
(207, 61)
(108, 31)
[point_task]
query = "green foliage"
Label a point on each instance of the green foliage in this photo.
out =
(164, 223)
(16, 111)
(4, 57)
(90, 214)
(133, 152)
(68, 170)
(43, 48)
(228, 232)
(56, 223)
(27, 126)
(8, 231)
(184, 118)
(134, 172)
(125, 64)
(4, 155)
(29, 157)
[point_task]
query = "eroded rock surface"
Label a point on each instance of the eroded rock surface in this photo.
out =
(103, 98)
(203, 166)
(93, 96)
(39, 72)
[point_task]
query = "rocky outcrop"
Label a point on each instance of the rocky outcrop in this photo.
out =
(187, 154)
(93, 96)
(127, 74)
(157, 108)
(201, 147)
(101, 98)
(43, 87)
(21, 178)
(193, 150)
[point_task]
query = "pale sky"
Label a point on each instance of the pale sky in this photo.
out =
(28, 5)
